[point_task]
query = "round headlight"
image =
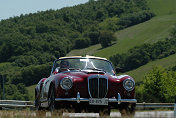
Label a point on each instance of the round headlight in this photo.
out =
(128, 84)
(66, 83)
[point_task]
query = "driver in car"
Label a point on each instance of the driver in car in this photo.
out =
(64, 66)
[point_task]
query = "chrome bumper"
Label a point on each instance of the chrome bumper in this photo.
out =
(78, 99)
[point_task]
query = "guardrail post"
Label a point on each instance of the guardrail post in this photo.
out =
(175, 109)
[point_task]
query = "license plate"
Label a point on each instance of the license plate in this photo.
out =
(98, 101)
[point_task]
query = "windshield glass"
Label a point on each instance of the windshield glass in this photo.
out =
(84, 64)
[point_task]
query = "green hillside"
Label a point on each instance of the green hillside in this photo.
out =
(150, 31)
(139, 73)
(162, 7)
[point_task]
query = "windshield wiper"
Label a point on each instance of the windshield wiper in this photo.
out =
(96, 69)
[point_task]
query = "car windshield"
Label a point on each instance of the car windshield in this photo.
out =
(84, 64)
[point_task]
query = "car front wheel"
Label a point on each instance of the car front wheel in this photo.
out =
(51, 99)
(37, 103)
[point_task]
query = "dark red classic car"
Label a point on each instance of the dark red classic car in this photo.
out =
(86, 83)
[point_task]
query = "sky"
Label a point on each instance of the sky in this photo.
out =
(11, 8)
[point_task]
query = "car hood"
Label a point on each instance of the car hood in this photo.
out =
(84, 74)
(81, 74)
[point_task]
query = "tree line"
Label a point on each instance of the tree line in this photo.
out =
(55, 33)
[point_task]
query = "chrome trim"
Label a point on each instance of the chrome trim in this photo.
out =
(125, 100)
(98, 86)
(78, 97)
(118, 98)
(43, 100)
(72, 99)
(97, 76)
(52, 70)
(111, 100)
(44, 104)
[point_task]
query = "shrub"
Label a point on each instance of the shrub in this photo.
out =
(158, 86)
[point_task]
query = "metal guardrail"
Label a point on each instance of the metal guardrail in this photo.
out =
(175, 110)
(18, 103)
(155, 105)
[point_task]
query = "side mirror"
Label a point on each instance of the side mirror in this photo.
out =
(118, 70)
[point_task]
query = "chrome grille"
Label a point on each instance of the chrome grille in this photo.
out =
(98, 86)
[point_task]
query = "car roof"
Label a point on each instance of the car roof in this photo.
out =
(87, 56)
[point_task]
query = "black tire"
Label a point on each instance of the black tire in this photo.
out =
(51, 99)
(52, 103)
(37, 105)
(127, 110)
(104, 112)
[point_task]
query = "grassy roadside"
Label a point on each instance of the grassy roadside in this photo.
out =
(31, 91)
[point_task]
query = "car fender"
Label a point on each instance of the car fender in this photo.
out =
(46, 86)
